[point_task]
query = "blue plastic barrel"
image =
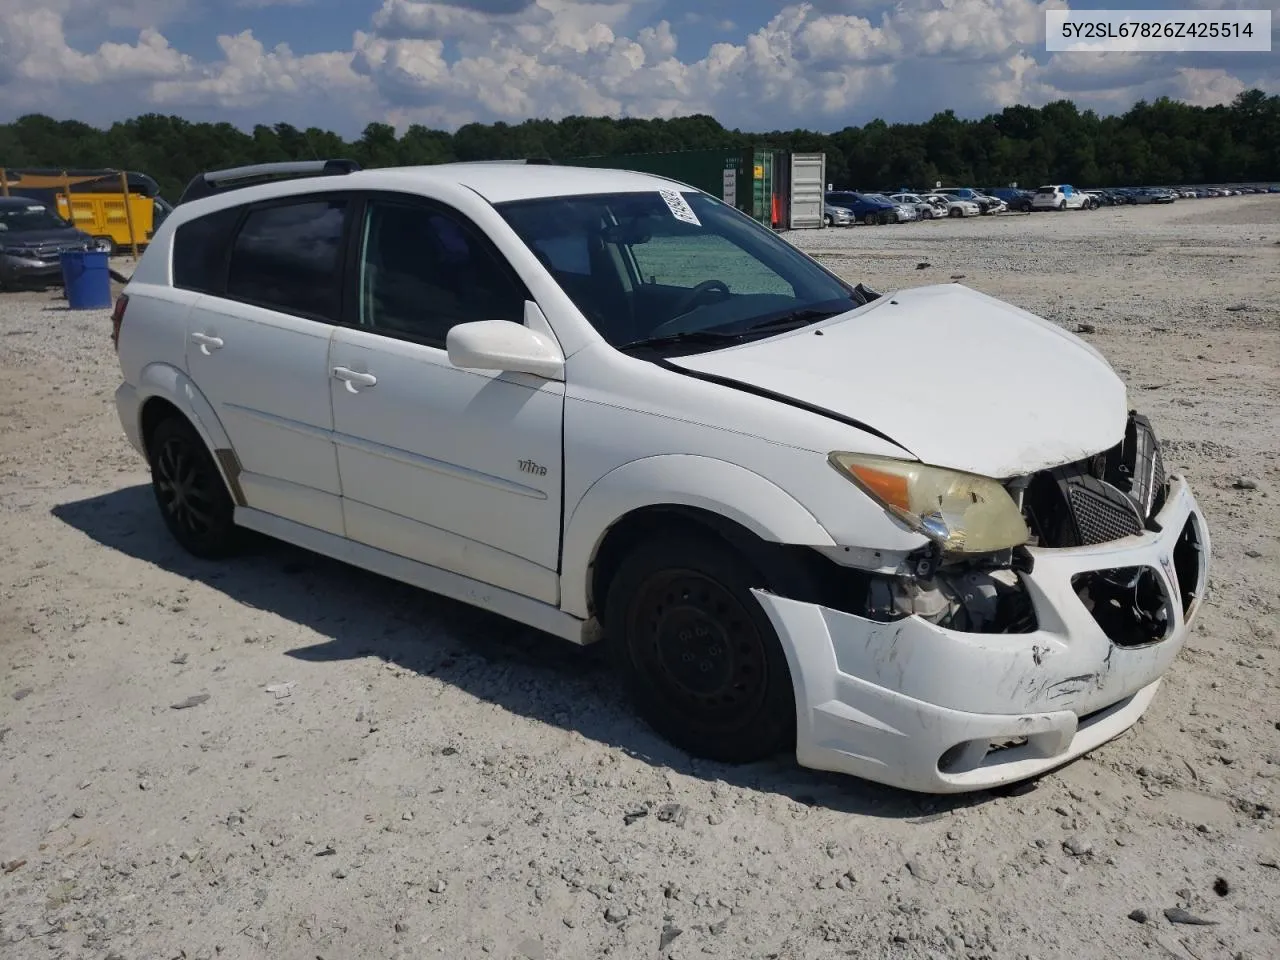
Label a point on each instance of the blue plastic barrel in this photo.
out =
(86, 278)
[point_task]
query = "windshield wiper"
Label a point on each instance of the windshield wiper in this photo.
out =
(793, 319)
(687, 336)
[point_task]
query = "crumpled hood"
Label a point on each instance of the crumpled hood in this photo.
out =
(958, 378)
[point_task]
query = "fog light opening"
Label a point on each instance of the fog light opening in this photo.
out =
(1130, 604)
(1188, 564)
(963, 757)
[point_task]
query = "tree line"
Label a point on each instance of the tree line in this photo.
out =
(1161, 142)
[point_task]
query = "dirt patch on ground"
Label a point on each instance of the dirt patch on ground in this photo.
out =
(378, 772)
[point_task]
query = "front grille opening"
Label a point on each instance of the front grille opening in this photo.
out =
(1099, 499)
(1129, 604)
(1187, 564)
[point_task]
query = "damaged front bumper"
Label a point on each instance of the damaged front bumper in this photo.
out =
(930, 709)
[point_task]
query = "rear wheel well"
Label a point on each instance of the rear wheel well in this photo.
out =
(154, 411)
(798, 572)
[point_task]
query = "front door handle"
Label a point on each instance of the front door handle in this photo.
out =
(352, 377)
(207, 343)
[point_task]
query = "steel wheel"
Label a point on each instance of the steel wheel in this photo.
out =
(698, 655)
(696, 643)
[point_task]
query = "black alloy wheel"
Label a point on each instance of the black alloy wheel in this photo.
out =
(189, 491)
(697, 653)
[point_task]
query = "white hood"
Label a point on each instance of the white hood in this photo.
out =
(956, 377)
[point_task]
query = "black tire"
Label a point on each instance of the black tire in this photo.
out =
(829, 221)
(729, 696)
(869, 219)
(193, 500)
(955, 212)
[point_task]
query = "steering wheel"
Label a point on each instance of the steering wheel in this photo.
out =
(685, 303)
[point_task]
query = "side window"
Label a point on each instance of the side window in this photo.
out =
(200, 249)
(685, 261)
(423, 271)
(289, 257)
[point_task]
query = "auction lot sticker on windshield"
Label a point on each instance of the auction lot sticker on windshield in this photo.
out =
(679, 207)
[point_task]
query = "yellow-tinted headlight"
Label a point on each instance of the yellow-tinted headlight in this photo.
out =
(962, 512)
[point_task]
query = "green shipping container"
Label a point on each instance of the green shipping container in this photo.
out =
(743, 178)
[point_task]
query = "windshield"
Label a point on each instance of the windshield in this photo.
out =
(878, 198)
(28, 217)
(642, 266)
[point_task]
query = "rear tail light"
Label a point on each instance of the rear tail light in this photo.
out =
(117, 318)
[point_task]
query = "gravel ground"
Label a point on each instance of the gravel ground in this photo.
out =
(377, 772)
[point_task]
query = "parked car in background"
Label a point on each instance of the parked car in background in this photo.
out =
(954, 206)
(902, 212)
(1059, 196)
(836, 216)
(32, 239)
(96, 203)
(921, 538)
(866, 208)
(985, 203)
(924, 209)
(1014, 198)
(993, 204)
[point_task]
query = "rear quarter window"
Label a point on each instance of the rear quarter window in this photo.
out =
(200, 250)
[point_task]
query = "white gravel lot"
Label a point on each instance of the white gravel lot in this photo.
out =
(438, 782)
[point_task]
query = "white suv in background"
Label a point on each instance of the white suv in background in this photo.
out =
(606, 404)
(1060, 196)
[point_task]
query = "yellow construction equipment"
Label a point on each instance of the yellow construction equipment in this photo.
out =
(122, 207)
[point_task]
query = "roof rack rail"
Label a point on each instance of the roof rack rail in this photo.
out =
(544, 161)
(219, 181)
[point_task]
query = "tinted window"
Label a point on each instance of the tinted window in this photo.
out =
(200, 250)
(424, 271)
(289, 257)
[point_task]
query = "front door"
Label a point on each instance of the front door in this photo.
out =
(259, 347)
(459, 469)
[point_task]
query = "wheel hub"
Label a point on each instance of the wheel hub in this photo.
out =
(697, 643)
(695, 650)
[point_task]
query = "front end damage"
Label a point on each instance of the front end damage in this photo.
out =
(957, 675)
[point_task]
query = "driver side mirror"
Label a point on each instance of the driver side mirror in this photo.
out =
(506, 346)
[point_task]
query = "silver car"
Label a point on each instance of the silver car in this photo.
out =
(834, 216)
(924, 209)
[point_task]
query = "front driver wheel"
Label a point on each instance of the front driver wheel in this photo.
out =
(189, 490)
(699, 657)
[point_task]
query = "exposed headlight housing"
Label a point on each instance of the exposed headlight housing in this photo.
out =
(961, 512)
(101, 245)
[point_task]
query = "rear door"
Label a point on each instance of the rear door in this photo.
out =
(258, 344)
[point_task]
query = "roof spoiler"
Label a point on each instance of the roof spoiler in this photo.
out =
(219, 181)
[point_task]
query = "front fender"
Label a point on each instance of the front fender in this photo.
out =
(687, 480)
(167, 382)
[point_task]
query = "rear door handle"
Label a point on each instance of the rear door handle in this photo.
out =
(352, 377)
(207, 343)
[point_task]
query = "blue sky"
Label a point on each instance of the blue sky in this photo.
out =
(340, 64)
